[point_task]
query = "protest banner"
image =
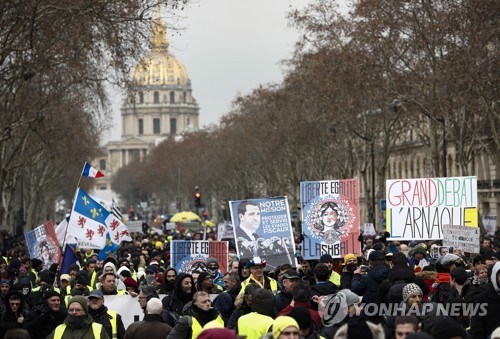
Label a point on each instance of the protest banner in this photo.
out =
(440, 251)
(489, 223)
(417, 209)
(225, 231)
(42, 244)
(369, 229)
(330, 218)
(262, 228)
(190, 256)
(464, 237)
(134, 226)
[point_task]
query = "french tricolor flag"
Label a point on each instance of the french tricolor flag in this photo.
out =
(89, 171)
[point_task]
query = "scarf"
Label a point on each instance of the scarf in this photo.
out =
(204, 316)
(442, 278)
(77, 322)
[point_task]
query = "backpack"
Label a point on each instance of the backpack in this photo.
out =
(395, 293)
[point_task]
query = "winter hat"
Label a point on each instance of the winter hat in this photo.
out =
(281, 323)
(350, 297)
(81, 300)
(212, 260)
(448, 328)
(350, 256)
(51, 293)
(376, 255)
(82, 278)
(36, 262)
(411, 290)
(449, 259)
(302, 316)
(217, 333)
(4, 282)
(47, 278)
(154, 306)
(159, 277)
(263, 301)
(326, 258)
(129, 282)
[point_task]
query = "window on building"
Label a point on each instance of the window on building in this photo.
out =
(141, 97)
(156, 126)
(172, 97)
(184, 97)
(156, 97)
(141, 126)
(102, 164)
(173, 126)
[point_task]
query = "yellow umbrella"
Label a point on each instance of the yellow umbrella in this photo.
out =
(185, 217)
(209, 223)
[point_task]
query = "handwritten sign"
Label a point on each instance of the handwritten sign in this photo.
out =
(417, 209)
(464, 237)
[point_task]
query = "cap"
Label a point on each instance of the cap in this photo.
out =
(291, 274)
(152, 269)
(326, 258)
(66, 277)
(96, 294)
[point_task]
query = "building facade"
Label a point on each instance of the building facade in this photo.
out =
(159, 104)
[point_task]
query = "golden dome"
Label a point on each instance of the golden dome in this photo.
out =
(159, 67)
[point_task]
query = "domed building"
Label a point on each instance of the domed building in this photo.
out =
(159, 103)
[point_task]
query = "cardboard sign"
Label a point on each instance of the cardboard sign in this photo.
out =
(464, 237)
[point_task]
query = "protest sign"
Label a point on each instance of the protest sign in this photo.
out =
(369, 229)
(464, 237)
(330, 218)
(262, 228)
(440, 251)
(225, 230)
(490, 223)
(191, 255)
(134, 226)
(42, 244)
(417, 209)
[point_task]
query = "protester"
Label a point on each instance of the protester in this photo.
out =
(152, 326)
(109, 319)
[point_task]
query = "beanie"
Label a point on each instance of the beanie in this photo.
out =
(81, 300)
(130, 282)
(263, 302)
(281, 323)
(217, 333)
(448, 328)
(302, 316)
(411, 290)
(47, 278)
(51, 293)
(350, 256)
(212, 260)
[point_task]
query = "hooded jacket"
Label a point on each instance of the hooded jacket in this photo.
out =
(401, 273)
(482, 325)
(368, 285)
(175, 302)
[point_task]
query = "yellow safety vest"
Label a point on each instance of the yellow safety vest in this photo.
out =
(112, 320)
(96, 329)
(38, 289)
(92, 280)
(335, 278)
(254, 325)
(197, 329)
(245, 283)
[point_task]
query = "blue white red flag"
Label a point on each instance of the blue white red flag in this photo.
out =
(89, 171)
(87, 222)
(69, 258)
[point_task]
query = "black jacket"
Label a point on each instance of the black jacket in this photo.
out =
(41, 322)
(324, 288)
(398, 273)
(368, 284)
(483, 325)
(102, 317)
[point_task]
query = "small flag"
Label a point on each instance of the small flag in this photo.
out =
(118, 231)
(89, 171)
(62, 231)
(87, 222)
(116, 210)
(69, 258)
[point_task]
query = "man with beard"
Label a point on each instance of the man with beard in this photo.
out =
(109, 319)
(183, 292)
(45, 318)
(78, 323)
(206, 284)
(196, 316)
(170, 275)
(224, 303)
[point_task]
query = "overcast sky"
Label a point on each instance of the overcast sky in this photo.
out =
(229, 47)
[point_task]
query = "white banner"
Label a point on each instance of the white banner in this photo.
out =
(134, 226)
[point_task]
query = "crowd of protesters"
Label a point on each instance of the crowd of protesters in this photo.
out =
(390, 290)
